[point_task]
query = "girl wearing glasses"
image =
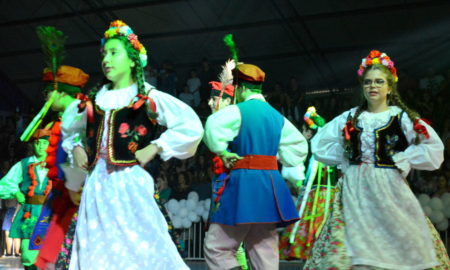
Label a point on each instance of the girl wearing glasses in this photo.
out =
(376, 221)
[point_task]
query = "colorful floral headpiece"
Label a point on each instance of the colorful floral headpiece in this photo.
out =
(377, 57)
(119, 28)
(312, 119)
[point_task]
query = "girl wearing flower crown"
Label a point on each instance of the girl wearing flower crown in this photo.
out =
(376, 221)
(120, 225)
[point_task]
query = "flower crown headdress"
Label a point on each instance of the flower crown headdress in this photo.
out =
(119, 28)
(377, 57)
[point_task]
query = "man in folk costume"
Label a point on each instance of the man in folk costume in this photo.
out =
(71, 103)
(222, 95)
(27, 182)
(256, 199)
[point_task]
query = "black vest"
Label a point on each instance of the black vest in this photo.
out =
(389, 140)
(129, 130)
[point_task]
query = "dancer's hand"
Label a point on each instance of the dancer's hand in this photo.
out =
(147, 154)
(20, 197)
(75, 197)
(229, 159)
(80, 158)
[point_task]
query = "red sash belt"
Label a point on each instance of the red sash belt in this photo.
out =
(257, 162)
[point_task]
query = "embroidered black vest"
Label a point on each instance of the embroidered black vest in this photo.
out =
(389, 140)
(129, 131)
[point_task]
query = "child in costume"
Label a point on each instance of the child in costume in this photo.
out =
(120, 225)
(256, 199)
(314, 200)
(68, 100)
(27, 182)
(222, 95)
(63, 91)
(376, 222)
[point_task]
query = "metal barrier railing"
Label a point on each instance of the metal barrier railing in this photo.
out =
(192, 241)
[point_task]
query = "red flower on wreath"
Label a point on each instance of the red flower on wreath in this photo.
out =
(132, 37)
(124, 127)
(374, 54)
(141, 130)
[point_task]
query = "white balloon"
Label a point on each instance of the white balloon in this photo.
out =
(182, 203)
(207, 203)
(424, 199)
(193, 195)
(446, 212)
(437, 216)
(443, 225)
(445, 196)
(436, 204)
(446, 202)
(173, 206)
(183, 212)
(191, 204)
(177, 222)
(199, 210)
(187, 223)
(427, 210)
(205, 216)
(193, 217)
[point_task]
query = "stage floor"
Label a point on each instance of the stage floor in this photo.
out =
(14, 264)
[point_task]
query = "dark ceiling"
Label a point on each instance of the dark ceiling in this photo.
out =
(320, 42)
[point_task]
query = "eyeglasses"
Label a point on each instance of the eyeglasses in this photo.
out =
(377, 82)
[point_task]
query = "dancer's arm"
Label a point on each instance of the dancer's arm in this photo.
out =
(428, 154)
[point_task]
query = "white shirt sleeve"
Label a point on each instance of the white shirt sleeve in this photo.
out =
(428, 154)
(292, 152)
(73, 129)
(327, 145)
(9, 184)
(221, 128)
(184, 129)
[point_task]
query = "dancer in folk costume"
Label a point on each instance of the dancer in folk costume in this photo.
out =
(27, 182)
(376, 221)
(120, 225)
(222, 95)
(61, 207)
(314, 200)
(63, 92)
(256, 199)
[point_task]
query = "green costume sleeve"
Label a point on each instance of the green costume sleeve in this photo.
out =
(9, 185)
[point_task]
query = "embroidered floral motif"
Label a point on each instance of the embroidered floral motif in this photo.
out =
(134, 134)
(123, 130)
(132, 146)
(391, 141)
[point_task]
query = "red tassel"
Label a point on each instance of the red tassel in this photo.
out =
(421, 129)
(348, 129)
(86, 103)
(140, 102)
